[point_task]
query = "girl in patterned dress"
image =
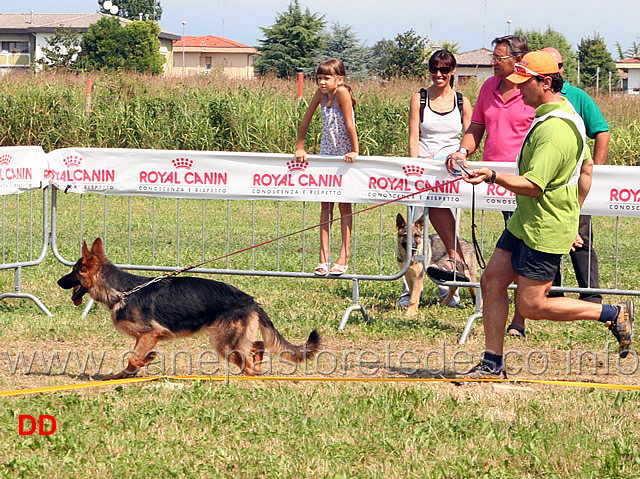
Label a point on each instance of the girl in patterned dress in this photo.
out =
(339, 137)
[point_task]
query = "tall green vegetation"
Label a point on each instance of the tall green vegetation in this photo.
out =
(214, 113)
(595, 62)
(343, 43)
(552, 38)
(143, 47)
(131, 9)
(108, 45)
(453, 47)
(631, 52)
(405, 56)
(61, 51)
(291, 42)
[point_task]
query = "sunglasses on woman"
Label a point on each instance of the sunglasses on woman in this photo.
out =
(443, 70)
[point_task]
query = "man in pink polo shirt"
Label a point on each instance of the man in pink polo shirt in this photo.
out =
(501, 112)
(499, 109)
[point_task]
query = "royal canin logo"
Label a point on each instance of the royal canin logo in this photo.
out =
(182, 163)
(76, 173)
(72, 161)
(296, 165)
(412, 170)
(5, 160)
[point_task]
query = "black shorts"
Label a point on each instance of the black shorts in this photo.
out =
(528, 262)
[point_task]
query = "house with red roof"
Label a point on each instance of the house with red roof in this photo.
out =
(630, 75)
(201, 55)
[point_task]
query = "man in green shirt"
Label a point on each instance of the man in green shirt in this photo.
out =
(554, 177)
(583, 256)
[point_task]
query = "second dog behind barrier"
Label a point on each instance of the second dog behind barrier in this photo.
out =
(436, 255)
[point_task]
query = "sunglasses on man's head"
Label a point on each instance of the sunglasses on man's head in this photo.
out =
(526, 71)
(443, 70)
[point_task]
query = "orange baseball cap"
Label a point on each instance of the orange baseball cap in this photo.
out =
(536, 63)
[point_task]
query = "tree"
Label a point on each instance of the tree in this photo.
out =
(453, 47)
(104, 46)
(405, 56)
(290, 43)
(131, 9)
(108, 45)
(631, 52)
(593, 55)
(61, 51)
(143, 52)
(341, 42)
(552, 38)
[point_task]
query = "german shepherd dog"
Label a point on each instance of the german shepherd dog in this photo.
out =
(180, 306)
(437, 254)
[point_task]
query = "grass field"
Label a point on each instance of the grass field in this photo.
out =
(401, 429)
(290, 429)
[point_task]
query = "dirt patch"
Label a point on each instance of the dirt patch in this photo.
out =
(34, 364)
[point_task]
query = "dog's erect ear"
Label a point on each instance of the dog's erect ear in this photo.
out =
(97, 247)
(86, 254)
(420, 221)
(400, 222)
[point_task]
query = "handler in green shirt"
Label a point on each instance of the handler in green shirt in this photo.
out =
(583, 256)
(554, 177)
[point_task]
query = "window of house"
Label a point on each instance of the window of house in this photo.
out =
(207, 63)
(464, 79)
(15, 47)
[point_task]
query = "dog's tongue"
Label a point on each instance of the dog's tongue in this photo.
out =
(76, 301)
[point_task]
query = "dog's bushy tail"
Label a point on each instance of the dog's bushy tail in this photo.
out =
(275, 343)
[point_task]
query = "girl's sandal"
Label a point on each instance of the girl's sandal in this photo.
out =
(322, 269)
(338, 269)
(442, 275)
(516, 331)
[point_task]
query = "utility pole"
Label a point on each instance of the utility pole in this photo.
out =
(184, 22)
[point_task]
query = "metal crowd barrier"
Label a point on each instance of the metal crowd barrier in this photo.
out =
(25, 238)
(165, 234)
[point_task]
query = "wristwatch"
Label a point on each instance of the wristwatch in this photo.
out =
(462, 149)
(493, 177)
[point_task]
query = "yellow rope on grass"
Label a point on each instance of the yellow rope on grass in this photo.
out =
(227, 379)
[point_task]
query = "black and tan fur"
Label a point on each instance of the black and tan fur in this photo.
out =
(436, 254)
(180, 306)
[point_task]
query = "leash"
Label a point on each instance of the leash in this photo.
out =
(476, 246)
(123, 295)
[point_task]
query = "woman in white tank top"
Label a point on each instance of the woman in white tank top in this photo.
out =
(445, 116)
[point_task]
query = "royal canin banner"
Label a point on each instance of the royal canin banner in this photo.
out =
(255, 176)
(22, 169)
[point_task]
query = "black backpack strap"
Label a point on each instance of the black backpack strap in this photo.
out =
(459, 98)
(423, 102)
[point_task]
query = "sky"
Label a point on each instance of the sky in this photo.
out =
(471, 23)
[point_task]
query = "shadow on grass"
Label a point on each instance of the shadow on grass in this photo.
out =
(414, 373)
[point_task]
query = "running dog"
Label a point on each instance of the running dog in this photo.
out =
(180, 306)
(436, 255)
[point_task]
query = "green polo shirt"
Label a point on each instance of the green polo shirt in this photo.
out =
(548, 157)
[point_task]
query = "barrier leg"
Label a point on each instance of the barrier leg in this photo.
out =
(468, 326)
(87, 308)
(354, 307)
(19, 294)
(472, 318)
